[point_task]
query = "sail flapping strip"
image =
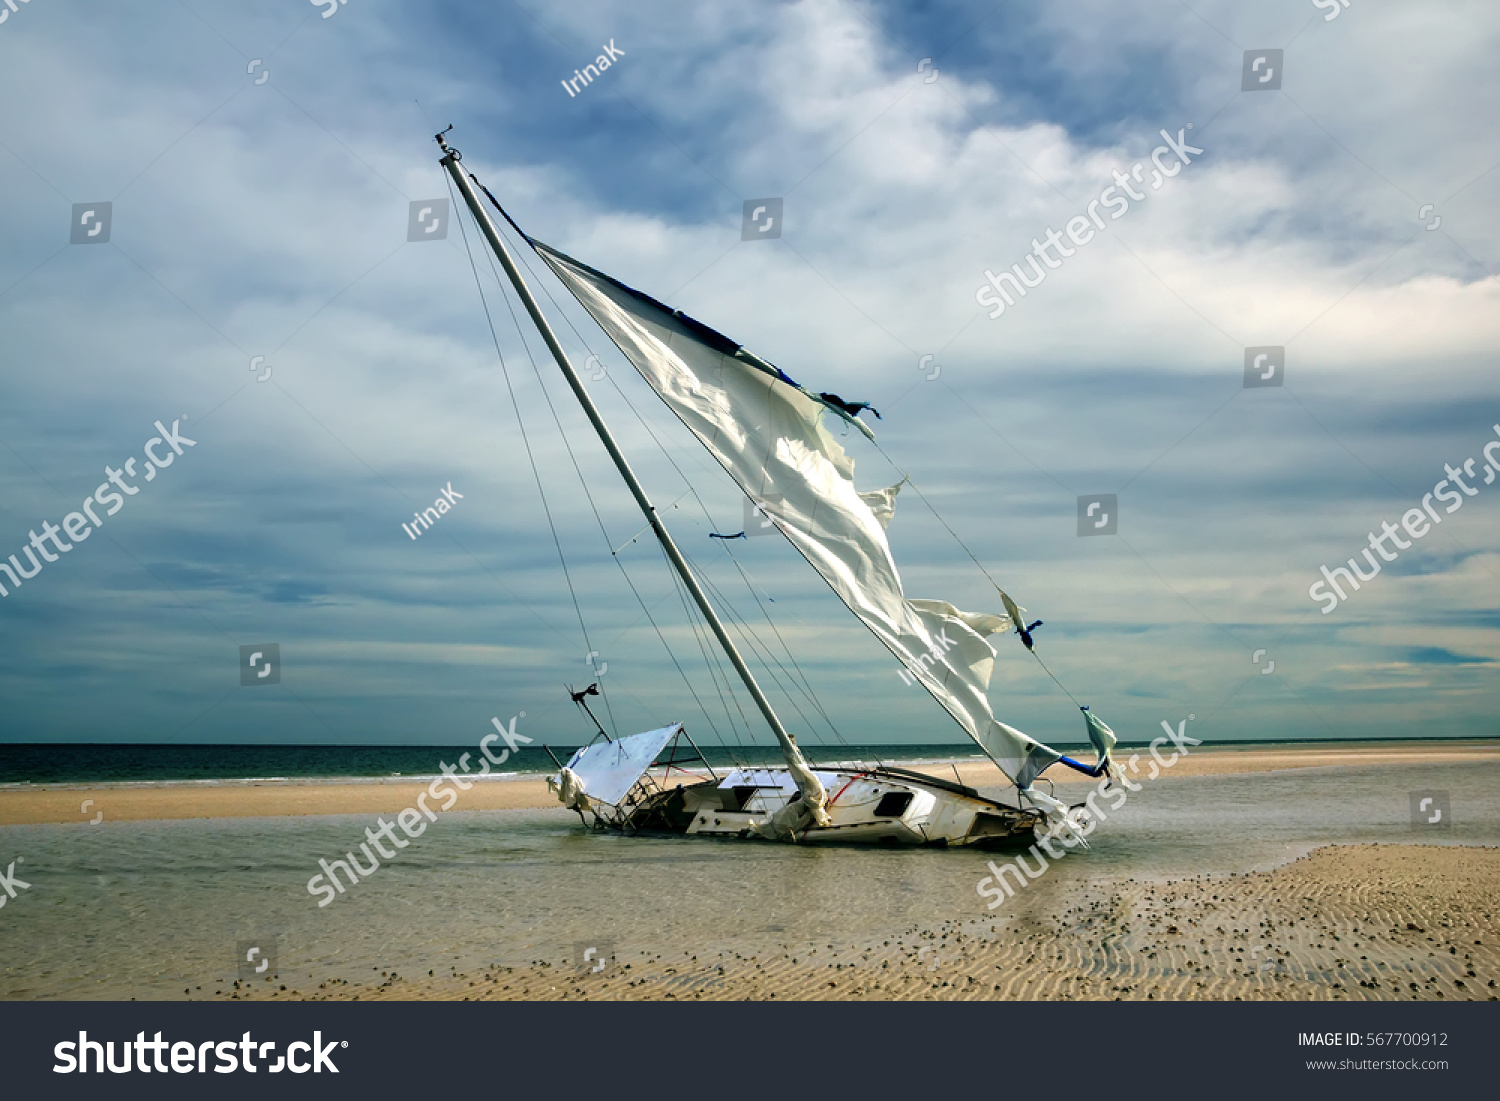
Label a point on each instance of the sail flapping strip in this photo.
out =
(768, 434)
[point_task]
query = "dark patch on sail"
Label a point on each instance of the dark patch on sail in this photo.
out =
(711, 337)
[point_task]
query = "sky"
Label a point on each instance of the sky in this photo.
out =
(254, 286)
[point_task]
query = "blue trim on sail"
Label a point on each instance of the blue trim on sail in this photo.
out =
(1087, 770)
(712, 337)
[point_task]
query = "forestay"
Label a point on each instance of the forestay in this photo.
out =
(768, 433)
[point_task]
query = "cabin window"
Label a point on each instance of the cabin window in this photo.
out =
(893, 804)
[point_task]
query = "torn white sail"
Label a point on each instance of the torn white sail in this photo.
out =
(767, 432)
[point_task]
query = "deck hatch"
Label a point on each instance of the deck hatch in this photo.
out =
(893, 804)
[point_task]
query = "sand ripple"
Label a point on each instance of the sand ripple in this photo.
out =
(1367, 922)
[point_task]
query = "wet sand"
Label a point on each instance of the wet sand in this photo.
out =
(1361, 922)
(274, 798)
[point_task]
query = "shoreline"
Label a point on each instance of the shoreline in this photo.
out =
(36, 804)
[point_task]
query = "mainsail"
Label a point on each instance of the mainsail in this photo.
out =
(768, 434)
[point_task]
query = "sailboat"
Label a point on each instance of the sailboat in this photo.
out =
(769, 434)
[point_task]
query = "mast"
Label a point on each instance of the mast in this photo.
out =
(812, 790)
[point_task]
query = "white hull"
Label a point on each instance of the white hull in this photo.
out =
(875, 806)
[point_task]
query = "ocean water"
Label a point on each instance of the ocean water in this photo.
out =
(35, 763)
(91, 764)
(149, 909)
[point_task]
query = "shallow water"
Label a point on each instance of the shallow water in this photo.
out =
(149, 909)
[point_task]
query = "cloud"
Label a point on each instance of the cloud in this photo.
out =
(269, 220)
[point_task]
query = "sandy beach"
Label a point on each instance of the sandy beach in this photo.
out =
(1264, 872)
(1369, 922)
(272, 798)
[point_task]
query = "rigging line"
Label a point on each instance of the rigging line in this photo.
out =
(776, 670)
(774, 663)
(1055, 681)
(644, 423)
(770, 661)
(650, 431)
(680, 670)
(561, 312)
(605, 534)
(696, 627)
(933, 509)
(541, 383)
(525, 260)
(678, 665)
(812, 695)
(521, 423)
(744, 623)
(715, 671)
(706, 651)
(939, 516)
(709, 653)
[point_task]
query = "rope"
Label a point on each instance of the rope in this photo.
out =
(1055, 681)
(593, 507)
(525, 438)
(745, 627)
(711, 657)
(667, 454)
(771, 662)
(806, 684)
(939, 517)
